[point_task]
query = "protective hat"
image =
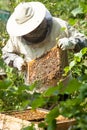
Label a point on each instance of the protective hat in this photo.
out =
(26, 17)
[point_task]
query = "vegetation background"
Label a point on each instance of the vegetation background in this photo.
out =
(13, 92)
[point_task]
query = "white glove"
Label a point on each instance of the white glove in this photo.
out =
(18, 63)
(66, 43)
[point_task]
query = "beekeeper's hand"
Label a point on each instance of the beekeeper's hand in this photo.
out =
(19, 63)
(66, 43)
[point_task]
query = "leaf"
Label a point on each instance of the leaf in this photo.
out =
(72, 64)
(83, 91)
(4, 84)
(73, 86)
(42, 125)
(66, 70)
(29, 127)
(38, 102)
(69, 107)
(2, 65)
(33, 85)
(52, 115)
(52, 125)
(84, 50)
(72, 21)
(22, 88)
(77, 11)
(63, 29)
(78, 57)
(25, 103)
(51, 91)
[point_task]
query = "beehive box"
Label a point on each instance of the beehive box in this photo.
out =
(8, 122)
(22, 119)
(48, 69)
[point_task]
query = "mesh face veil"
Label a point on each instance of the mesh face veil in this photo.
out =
(38, 34)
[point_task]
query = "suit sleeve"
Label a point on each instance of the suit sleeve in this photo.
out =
(76, 38)
(10, 54)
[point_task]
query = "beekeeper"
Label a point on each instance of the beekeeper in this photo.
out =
(33, 31)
